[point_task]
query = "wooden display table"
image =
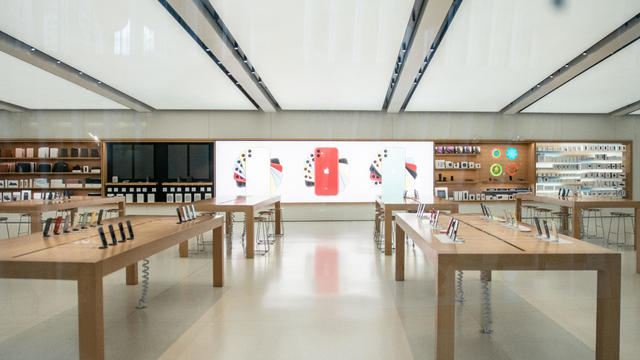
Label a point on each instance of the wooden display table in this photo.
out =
(35, 208)
(581, 203)
(406, 205)
(247, 205)
(76, 256)
(487, 246)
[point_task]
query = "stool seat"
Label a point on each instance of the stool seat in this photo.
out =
(529, 206)
(616, 213)
(3, 218)
(543, 210)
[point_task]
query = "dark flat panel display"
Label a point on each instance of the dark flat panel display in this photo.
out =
(143, 161)
(122, 161)
(177, 162)
(200, 161)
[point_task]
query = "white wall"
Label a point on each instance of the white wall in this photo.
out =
(322, 125)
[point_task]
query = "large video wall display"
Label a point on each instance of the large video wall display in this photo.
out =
(324, 171)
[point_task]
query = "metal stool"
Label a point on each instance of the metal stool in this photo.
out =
(596, 214)
(620, 216)
(561, 217)
(262, 223)
(6, 224)
(270, 215)
(27, 223)
(528, 212)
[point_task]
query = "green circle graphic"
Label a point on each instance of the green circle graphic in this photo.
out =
(495, 169)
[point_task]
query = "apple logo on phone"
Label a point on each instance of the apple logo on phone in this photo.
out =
(326, 170)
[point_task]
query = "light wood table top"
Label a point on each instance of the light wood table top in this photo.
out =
(76, 256)
(488, 245)
(246, 204)
(406, 204)
(54, 205)
(586, 202)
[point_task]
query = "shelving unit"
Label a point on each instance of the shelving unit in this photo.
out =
(26, 180)
(465, 181)
(592, 168)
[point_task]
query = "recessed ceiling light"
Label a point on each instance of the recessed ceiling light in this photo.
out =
(58, 61)
(33, 49)
(228, 73)
(237, 83)
(99, 82)
(551, 76)
(584, 53)
(80, 73)
(566, 66)
(244, 61)
(235, 47)
(219, 62)
(208, 49)
(538, 85)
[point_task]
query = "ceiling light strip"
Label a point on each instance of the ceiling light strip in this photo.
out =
(407, 41)
(207, 50)
(11, 107)
(617, 40)
(432, 50)
(39, 59)
(204, 25)
(239, 54)
(426, 27)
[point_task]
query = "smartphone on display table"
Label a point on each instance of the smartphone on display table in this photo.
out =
(112, 233)
(326, 171)
(130, 228)
(537, 221)
(47, 226)
(83, 221)
(258, 171)
(102, 239)
(393, 173)
(56, 228)
(180, 220)
(546, 229)
(122, 235)
(100, 217)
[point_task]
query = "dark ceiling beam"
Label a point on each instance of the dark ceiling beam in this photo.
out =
(427, 19)
(41, 60)
(609, 45)
(204, 25)
(11, 107)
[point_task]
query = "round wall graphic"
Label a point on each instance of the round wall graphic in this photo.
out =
(496, 153)
(511, 169)
(496, 169)
(512, 153)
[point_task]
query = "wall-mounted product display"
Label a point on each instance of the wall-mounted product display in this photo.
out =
(30, 166)
(153, 172)
(591, 169)
(482, 171)
(323, 171)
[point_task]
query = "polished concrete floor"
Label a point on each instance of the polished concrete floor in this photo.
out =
(324, 292)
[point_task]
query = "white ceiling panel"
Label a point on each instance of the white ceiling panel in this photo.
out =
(28, 86)
(320, 55)
(605, 87)
(636, 112)
(134, 46)
(496, 50)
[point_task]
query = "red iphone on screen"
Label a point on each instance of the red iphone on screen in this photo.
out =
(326, 171)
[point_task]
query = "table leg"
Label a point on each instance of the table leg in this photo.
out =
(228, 223)
(445, 312)
(608, 311)
(132, 274)
(636, 236)
(218, 257)
(487, 275)
(519, 209)
(399, 253)
(248, 220)
(278, 218)
(90, 314)
(388, 231)
(377, 218)
(183, 249)
(36, 223)
(577, 218)
(122, 208)
(565, 217)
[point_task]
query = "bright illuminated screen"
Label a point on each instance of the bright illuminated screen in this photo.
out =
(320, 171)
